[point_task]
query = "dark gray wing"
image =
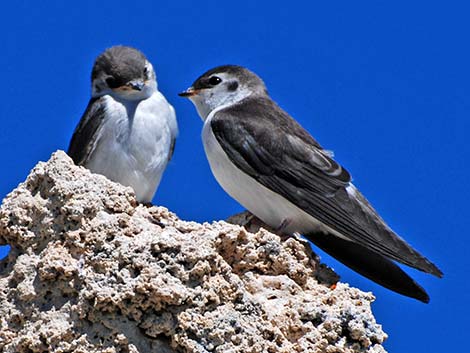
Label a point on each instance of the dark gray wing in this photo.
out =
(370, 264)
(266, 143)
(86, 134)
(172, 148)
(174, 131)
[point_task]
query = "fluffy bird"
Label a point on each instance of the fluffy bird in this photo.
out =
(128, 130)
(267, 162)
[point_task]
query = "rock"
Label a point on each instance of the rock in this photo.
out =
(91, 270)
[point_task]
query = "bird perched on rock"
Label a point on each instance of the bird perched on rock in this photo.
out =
(267, 162)
(128, 130)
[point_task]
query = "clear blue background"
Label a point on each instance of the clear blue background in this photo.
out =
(383, 84)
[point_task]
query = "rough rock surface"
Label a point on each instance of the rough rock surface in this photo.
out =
(90, 270)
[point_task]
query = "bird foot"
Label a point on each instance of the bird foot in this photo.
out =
(284, 224)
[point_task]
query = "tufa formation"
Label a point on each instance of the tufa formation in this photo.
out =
(91, 270)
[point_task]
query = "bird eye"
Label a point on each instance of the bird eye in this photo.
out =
(215, 80)
(111, 82)
(146, 71)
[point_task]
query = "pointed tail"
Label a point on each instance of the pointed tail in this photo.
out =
(369, 264)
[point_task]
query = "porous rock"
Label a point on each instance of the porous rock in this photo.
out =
(91, 270)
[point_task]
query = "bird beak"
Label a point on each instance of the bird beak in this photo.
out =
(137, 85)
(189, 92)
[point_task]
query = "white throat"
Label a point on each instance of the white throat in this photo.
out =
(206, 101)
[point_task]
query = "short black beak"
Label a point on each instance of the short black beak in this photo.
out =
(188, 93)
(137, 85)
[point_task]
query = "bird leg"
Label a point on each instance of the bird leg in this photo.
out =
(284, 224)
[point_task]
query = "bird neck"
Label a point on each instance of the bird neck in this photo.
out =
(209, 104)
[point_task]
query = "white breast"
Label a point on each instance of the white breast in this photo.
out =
(134, 149)
(267, 205)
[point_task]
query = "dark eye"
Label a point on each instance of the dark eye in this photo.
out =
(111, 82)
(146, 71)
(215, 80)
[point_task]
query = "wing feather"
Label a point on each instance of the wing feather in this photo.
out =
(86, 134)
(266, 143)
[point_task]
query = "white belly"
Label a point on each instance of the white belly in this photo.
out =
(268, 206)
(134, 151)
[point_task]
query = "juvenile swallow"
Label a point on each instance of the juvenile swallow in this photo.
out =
(128, 130)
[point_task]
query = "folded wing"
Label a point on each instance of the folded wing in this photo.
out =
(283, 157)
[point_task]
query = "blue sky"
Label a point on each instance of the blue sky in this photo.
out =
(383, 84)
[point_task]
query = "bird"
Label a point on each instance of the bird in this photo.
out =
(128, 130)
(272, 166)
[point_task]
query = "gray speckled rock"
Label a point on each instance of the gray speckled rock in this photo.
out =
(90, 270)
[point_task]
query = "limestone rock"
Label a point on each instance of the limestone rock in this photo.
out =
(90, 270)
